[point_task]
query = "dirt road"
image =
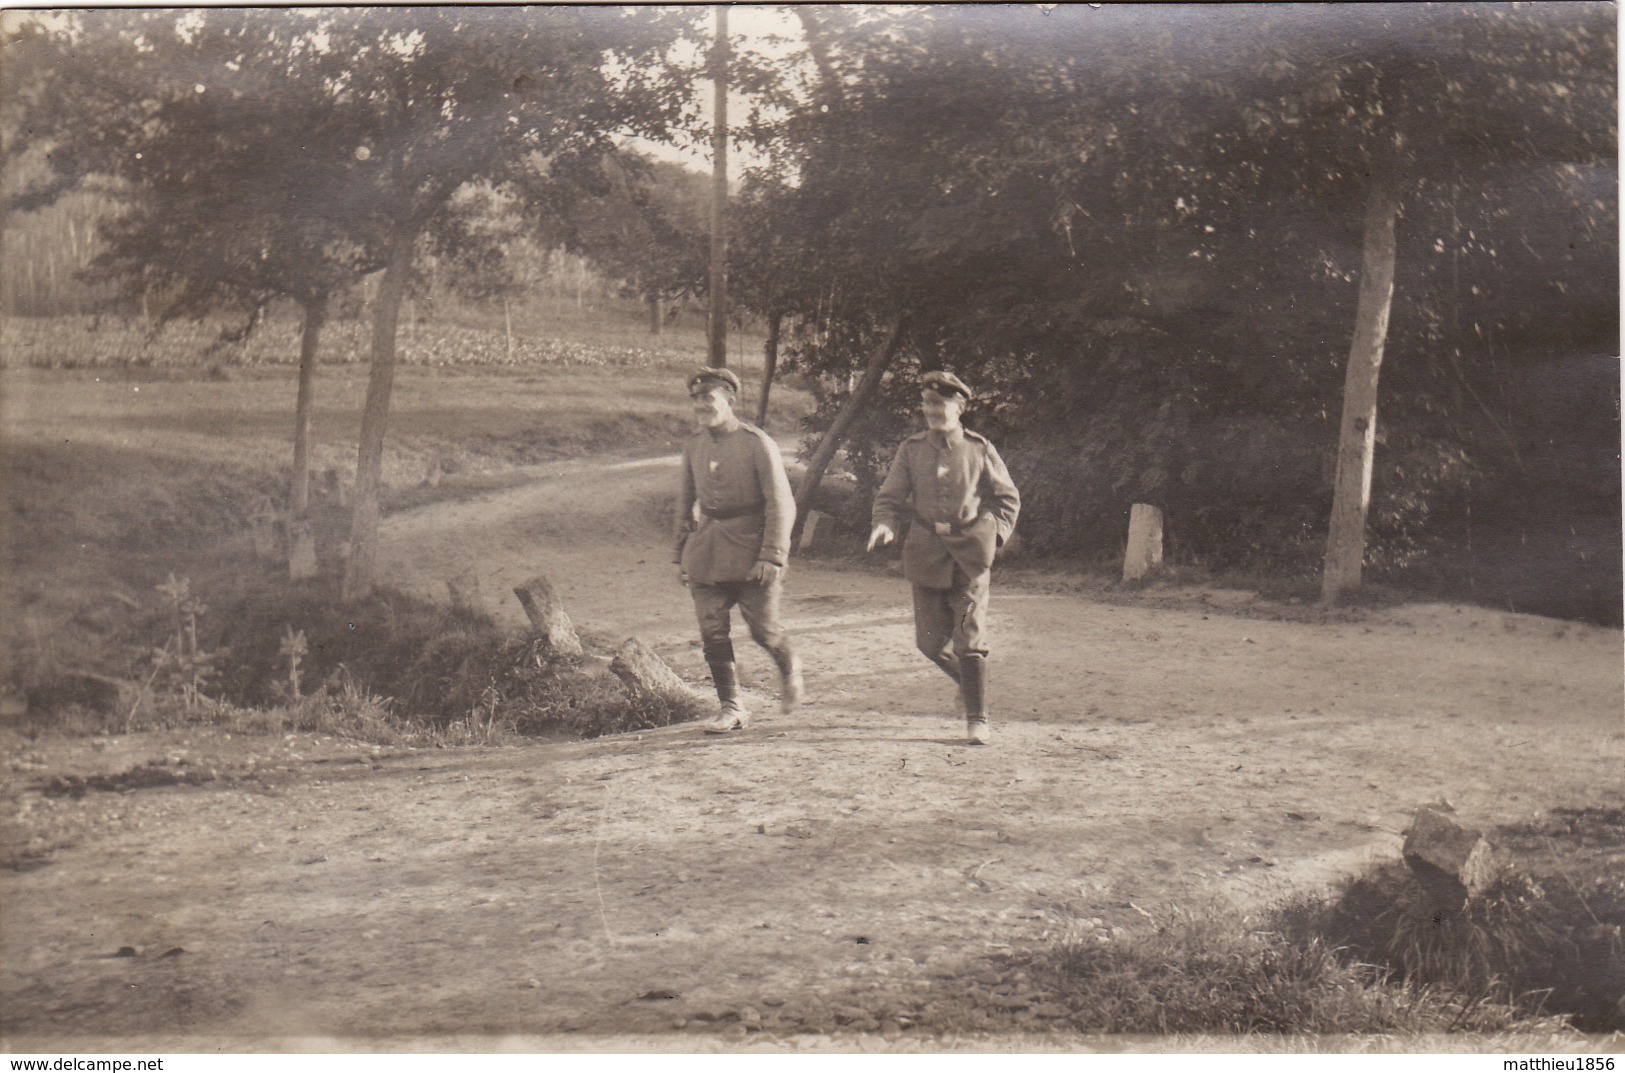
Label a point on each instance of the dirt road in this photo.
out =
(848, 877)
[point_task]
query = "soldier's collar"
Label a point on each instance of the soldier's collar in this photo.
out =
(730, 425)
(952, 437)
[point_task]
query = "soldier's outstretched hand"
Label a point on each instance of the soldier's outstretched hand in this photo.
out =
(764, 572)
(882, 535)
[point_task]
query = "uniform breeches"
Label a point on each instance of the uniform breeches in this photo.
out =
(757, 602)
(950, 623)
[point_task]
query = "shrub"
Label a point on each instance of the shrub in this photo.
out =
(445, 670)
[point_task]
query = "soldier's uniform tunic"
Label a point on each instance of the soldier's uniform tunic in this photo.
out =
(957, 495)
(735, 509)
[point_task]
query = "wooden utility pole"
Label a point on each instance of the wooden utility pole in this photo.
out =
(1351, 497)
(719, 194)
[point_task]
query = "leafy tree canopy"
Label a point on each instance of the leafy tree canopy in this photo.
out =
(1138, 230)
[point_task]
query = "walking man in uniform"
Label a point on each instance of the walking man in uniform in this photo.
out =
(735, 551)
(951, 486)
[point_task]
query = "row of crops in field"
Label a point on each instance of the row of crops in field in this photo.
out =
(85, 341)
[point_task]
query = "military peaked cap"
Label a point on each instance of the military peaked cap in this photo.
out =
(944, 383)
(707, 374)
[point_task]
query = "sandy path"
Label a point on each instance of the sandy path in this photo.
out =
(850, 870)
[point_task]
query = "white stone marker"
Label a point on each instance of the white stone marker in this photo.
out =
(1144, 552)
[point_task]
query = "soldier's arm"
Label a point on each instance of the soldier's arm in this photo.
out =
(999, 495)
(779, 502)
(684, 520)
(895, 492)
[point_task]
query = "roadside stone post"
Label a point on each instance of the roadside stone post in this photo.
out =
(641, 670)
(464, 589)
(816, 530)
(267, 535)
(1144, 552)
(301, 551)
(337, 487)
(1449, 857)
(548, 617)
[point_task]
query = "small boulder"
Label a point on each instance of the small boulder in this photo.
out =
(641, 670)
(548, 617)
(464, 590)
(1442, 852)
(301, 551)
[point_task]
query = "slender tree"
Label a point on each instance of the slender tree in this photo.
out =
(417, 102)
(212, 209)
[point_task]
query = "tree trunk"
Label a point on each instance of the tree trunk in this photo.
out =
(1345, 538)
(770, 364)
(315, 315)
(386, 313)
(507, 327)
(835, 435)
(657, 315)
(718, 325)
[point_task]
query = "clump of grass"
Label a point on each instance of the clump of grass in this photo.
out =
(1550, 943)
(1542, 949)
(517, 683)
(390, 669)
(342, 708)
(1209, 973)
(447, 672)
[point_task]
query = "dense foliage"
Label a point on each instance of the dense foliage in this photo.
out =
(1137, 231)
(1140, 237)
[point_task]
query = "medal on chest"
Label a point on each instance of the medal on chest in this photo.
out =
(942, 471)
(712, 465)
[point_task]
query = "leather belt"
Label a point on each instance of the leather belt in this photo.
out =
(729, 515)
(954, 528)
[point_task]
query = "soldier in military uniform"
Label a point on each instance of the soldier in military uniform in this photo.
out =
(732, 551)
(952, 488)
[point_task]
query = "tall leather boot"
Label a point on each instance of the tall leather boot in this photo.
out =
(792, 690)
(973, 689)
(732, 715)
(950, 666)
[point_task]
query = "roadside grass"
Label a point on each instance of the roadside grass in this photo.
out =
(1212, 972)
(1548, 937)
(1542, 952)
(269, 655)
(444, 671)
